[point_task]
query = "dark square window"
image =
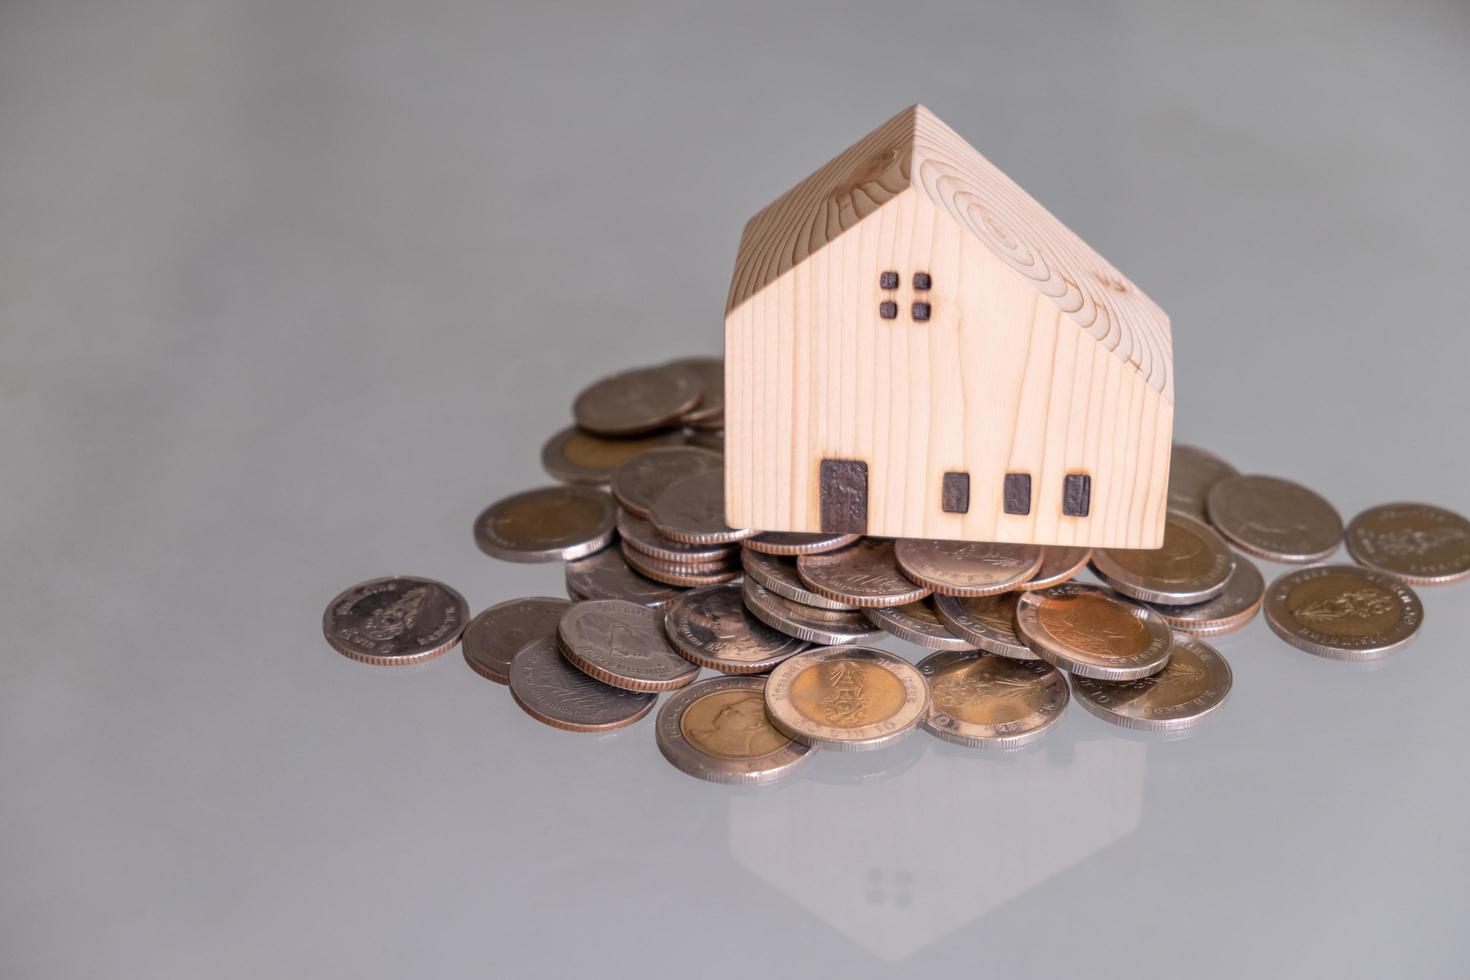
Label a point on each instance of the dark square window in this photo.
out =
(888, 309)
(1077, 495)
(955, 496)
(888, 280)
(844, 495)
(1018, 493)
(922, 280)
(921, 311)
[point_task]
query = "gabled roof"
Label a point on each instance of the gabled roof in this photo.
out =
(915, 149)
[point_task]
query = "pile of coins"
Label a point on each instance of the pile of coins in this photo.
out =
(659, 589)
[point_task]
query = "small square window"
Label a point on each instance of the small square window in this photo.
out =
(954, 496)
(1076, 495)
(922, 280)
(888, 309)
(1018, 493)
(921, 312)
(888, 280)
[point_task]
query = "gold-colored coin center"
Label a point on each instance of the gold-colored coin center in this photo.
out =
(536, 519)
(731, 725)
(1093, 624)
(593, 453)
(986, 691)
(847, 694)
(1344, 606)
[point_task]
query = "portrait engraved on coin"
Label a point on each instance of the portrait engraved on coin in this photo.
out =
(622, 644)
(495, 636)
(732, 725)
(713, 627)
(717, 729)
(399, 620)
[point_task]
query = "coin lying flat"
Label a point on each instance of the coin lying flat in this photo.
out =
(865, 573)
(806, 622)
(917, 622)
(494, 637)
(574, 456)
(639, 534)
(1193, 565)
(1058, 565)
(692, 509)
(1273, 518)
(792, 544)
(709, 376)
(1228, 611)
(554, 692)
(622, 644)
(1093, 631)
(606, 575)
(989, 622)
(987, 701)
(639, 481)
(397, 620)
(1420, 543)
(711, 439)
(637, 401)
(1190, 688)
(685, 574)
(717, 730)
(1343, 612)
(713, 628)
(846, 698)
(967, 567)
(548, 524)
(1192, 472)
(778, 573)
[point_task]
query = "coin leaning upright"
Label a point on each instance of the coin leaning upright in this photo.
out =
(717, 730)
(1419, 543)
(557, 694)
(846, 698)
(1193, 565)
(622, 644)
(966, 567)
(1275, 519)
(496, 635)
(548, 524)
(1192, 686)
(1343, 612)
(713, 628)
(986, 701)
(1094, 632)
(396, 620)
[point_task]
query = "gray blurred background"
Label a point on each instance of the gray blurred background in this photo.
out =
(289, 291)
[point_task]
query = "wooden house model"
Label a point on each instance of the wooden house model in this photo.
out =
(916, 348)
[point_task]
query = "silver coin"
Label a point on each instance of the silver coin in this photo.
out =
(637, 401)
(966, 567)
(793, 544)
(865, 574)
(989, 622)
(1275, 519)
(606, 575)
(717, 730)
(494, 637)
(1192, 565)
(640, 535)
(1420, 543)
(1093, 631)
(1343, 612)
(549, 524)
(709, 375)
(1058, 565)
(917, 622)
(622, 644)
(688, 575)
(985, 701)
(1228, 611)
(826, 626)
(574, 456)
(692, 509)
(1192, 472)
(393, 621)
(778, 573)
(639, 481)
(1190, 688)
(557, 694)
(711, 439)
(847, 698)
(713, 628)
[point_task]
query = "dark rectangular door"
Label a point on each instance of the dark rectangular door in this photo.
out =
(844, 496)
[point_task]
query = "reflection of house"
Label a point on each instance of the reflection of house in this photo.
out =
(893, 876)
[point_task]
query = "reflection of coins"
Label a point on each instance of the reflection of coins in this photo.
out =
(1228, 611)
(494, 637)
(390, 621)
(692, 509)
(574, 456)
(1192, 472)
(1058, 565)
(991, 702)
(554, 692)
(967, 567)
(778, 573)
(713, 628)
(1192, 565)
(606, 575)
(792, 544)
(1274, 518)
(1343, 612)
(865, 573)
(717, 730)
(622, 644)
(989, 622)
(1420, 543)
(1191, 687)
(549, 524)
(917, 622)
(639, 481)
(807, 623)
(636, 401)
(1094, 632)
(846, 698)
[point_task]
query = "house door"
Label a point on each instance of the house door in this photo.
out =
(844, 490)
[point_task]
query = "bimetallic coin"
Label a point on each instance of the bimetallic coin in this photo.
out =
(917, 622)
(1192, 472)
(606, 575)
(1419, 543)
(398, 620)
(807, 623)
(1228, 611)
(1193, 565)
(846, 698)
(717, 730)
(574, 456)
(557, 694)
(987, 701)
(709, 376)
(713, 628)
(636, 401)
(494, 637)
(792, 544)
(1343, 612)
(966, 567)
(1190, 688)
(778, 573)
(680, 573)
(692, 509)
(549, 524)
(865, 574)
(988, 621)
(640, 535)
(638, 482)
(1058, 565)
(1275, 519)
(1094, 632)
(622, 644)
